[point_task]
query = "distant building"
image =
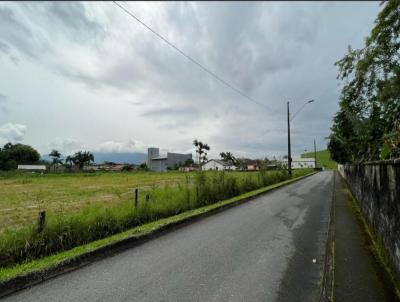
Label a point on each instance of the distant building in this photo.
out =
(188, 169)
(40, 168)
(299, 163)
(218, 165)
(253, 166)
(158, 163)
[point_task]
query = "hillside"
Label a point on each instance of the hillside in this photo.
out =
(323, 159)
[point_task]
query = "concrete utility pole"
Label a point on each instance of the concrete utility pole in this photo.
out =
(315, 155)
(289, 146)
(288, 130)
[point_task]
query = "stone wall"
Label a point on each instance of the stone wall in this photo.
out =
(376, 186)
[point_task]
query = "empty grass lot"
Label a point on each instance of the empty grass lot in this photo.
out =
(81, 208)
(22, 195)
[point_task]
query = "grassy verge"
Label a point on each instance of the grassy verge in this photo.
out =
(376, 246)
(7, 273)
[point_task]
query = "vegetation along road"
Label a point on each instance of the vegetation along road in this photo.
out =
(268, 249)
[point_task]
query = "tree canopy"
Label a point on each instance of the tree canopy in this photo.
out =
(13, 155)
(367, 125)
(201, 149)
(80, 158)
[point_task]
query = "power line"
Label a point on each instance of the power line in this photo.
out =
(226, 83)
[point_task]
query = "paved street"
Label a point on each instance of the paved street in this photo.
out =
(262, 250)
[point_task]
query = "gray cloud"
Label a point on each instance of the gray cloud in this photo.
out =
(11, 132)
(3, 101)
(274, 52)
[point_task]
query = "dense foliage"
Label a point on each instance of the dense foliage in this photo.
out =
(80, 158)
(367, 125)
(13, 155)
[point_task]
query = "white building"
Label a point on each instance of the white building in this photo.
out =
(215, 164)
(300, 163)
(32, 167)
(155, 162)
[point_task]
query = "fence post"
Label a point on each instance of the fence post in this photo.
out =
(136, 197)
(41, 221)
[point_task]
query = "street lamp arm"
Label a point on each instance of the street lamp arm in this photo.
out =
(301, 108)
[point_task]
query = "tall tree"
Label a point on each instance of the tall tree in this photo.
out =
(80, 158)
(55, 154)
(367, 124)
(201, 150)
(228, 157)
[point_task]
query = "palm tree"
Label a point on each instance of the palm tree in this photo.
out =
(55, 154)
(80, 158)
(69, 161)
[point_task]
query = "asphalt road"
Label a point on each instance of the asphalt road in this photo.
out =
(262, 250)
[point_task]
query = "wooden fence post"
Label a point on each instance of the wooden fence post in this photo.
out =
(136, 197)
(41, 221)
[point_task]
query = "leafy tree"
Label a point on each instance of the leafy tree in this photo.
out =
(367, 125)
(201, 149)
(189, 162)
(143, 167)
(56, 158)
(80, 158)
(13, 155)
(228, 157)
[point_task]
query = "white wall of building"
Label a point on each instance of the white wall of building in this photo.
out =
(300, 163)
(216, 165)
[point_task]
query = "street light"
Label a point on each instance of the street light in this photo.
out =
(288, 122)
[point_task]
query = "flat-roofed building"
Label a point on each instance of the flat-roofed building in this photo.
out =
(32, 167)
(158, 163)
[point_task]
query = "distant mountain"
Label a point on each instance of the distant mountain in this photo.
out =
(128, 158)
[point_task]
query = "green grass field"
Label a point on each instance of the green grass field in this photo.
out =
(323, 159)
(84, 207)
(23, 194)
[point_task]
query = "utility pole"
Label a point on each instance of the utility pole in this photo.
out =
(289, 147)
(315, 155)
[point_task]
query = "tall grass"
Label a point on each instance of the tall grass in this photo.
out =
(69, 230)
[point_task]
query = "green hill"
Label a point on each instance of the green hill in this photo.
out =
(323, 159)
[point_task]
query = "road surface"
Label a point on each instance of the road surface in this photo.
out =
(262, 250)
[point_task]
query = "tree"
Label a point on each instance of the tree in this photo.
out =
(143, 167)
(56, 158)
(189, 162)
(80, 158)
(13, 155)
(366, 126)
(201, 149)
(228, 157)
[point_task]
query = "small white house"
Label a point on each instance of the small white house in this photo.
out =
(32, 167)
(300, 163)
(218, 165)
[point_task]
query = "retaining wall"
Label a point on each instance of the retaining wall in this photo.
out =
(376, 186)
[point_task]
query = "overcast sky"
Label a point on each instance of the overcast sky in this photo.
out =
(87, 76)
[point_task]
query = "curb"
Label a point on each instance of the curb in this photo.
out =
(30, 279)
